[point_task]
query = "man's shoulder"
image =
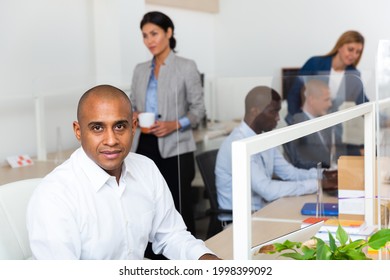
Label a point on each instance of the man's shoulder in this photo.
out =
(235, 134)
(138, 161)
(299, 117)
(131, 157)
(225, 148)
(61, 172)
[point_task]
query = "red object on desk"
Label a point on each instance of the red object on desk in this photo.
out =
(312, 220)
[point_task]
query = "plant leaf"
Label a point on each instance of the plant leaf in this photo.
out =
(323, 251)
(356, 255)
(292, 244)
(309, 253)
(286, 245)
(379, 239)
(341, 235)
(356, 245)
(295, 256)
(332, 242)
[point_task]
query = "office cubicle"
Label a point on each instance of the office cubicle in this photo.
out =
(374, 115)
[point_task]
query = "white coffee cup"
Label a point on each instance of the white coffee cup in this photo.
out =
(146, 120)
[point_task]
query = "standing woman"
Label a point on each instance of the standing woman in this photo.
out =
(338, 69)
(170, 87)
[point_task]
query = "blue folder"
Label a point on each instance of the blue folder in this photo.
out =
(328, 209)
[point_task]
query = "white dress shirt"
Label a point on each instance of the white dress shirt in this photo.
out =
(80, 212)
(264, 165)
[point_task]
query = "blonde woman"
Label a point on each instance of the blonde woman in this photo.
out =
(338, 69)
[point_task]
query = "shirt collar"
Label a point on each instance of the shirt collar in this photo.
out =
(246, 130)
(310, 116)
(94, 172)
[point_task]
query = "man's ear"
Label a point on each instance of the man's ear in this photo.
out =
(134, 125)
(76, 130)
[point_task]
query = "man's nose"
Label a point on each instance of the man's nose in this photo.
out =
(110, 137)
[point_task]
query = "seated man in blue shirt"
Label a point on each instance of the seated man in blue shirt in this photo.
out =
(262, 106)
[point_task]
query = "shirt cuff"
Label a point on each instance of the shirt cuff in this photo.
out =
(184, 123)
(198, 250)
(309, 186)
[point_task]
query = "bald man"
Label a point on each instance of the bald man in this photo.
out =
(324, 146)
(262, 106)
(105, 202)
(307, 151)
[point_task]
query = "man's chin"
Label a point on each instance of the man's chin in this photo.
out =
(111, 168)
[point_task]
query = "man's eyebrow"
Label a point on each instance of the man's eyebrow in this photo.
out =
(122, 122)
(95, 123)
(102, 123)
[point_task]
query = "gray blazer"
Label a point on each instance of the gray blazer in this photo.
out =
(179, 92)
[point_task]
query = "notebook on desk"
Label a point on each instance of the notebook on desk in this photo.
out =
(299, 235)
(318, 208)
(324, 209)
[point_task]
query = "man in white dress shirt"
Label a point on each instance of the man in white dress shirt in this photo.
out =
(105, 202)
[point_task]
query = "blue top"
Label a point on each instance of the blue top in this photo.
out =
(351, 88)
(151, 93)
(151, 99)
(264, 165)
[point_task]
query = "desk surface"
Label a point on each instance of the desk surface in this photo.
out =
(277, 218)
(38, 170)
(214, 130)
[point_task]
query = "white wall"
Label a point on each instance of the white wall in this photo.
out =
(272, 34)
(58, 49)
(62, 47)
(45, 47)
(276, 33)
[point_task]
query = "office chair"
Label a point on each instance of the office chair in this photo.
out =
(14, 197)
(206, 163)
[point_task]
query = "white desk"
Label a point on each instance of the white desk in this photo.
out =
(277, 218)
(37, 170)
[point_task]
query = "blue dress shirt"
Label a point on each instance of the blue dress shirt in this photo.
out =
(151, 99)
(264, 166)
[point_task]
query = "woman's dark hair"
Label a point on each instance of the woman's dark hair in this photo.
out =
(162, 21)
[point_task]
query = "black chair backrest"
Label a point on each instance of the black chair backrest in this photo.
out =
(206, 162)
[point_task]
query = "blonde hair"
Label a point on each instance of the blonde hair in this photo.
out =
(347, 37)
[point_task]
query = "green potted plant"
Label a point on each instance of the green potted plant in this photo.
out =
(317, 249)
